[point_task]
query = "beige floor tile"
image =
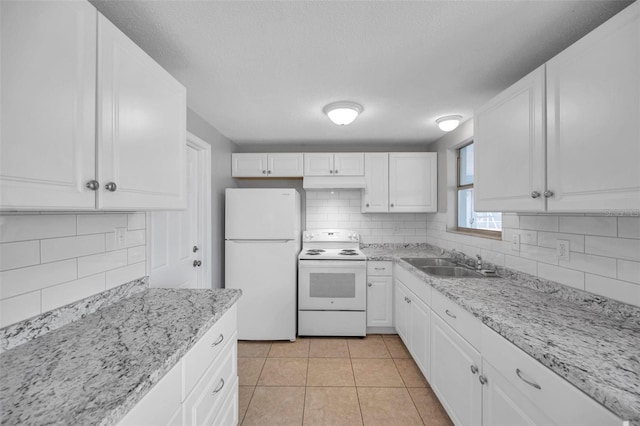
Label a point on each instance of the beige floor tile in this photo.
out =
(430, 409)
(376, 372)
(332, 407)
(284, 372)
(410, 373)
(396, 347)
(330, 372)
(328, 348)
(248, 349)
(249, 370)
(387, 407)
(369, 347)
(275, 405)
(297, 349)
(244, 397)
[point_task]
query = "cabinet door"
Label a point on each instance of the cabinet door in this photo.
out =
(510, 148)
(318, 164)
(504, 405)
(348, 164)
(48, 74)
(285, 165)
(456, 386)
(593, 110)
(413, 182)
(375, 196)
(248, 165)
(141, 127)
(419, 334)
(401, 311)
(379, 301)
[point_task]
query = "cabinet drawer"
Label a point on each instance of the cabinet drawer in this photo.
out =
(460, 320)
(376, 267)
(207, 397)
(556, 397)
(413, 283)
(198, 359)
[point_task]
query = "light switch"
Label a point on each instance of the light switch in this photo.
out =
(562, 249)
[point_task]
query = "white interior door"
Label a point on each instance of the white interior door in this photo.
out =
(179, 249)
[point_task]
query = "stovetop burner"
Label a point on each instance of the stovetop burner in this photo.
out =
(315, 251)
(348, 253)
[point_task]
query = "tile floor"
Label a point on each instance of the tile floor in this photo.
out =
(334, 381)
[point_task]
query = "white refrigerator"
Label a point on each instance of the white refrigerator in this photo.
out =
(262, 242)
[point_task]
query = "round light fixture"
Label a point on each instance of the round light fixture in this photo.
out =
(448, 122)
(342, 113)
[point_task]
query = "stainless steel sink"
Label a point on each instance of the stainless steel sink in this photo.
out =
(448, 271)
(420, 262)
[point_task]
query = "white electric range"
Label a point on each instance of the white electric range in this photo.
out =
(332, 287)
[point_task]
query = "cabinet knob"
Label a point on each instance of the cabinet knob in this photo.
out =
(535, 194)
(331, 172)
(483, 380)
(474, 369)
(197, 263)
(93, 185)
(268, 172)
(391, 204)
(111, 187)
(264, 172)
(367, 205)
(548, 193)
(195, 248)
(369, 284)
(335, 171)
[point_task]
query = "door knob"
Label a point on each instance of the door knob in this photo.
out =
(93, 185)
(111, 187)
(197, 263)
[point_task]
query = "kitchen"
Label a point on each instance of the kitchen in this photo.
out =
(69, 253)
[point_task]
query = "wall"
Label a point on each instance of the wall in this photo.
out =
(50, 260)
(604, 250)
(221, 149)
(341, 209)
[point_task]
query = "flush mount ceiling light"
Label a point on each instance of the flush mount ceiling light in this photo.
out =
(448, 122)
(342, 113)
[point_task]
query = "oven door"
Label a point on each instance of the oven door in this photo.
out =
(332, 285)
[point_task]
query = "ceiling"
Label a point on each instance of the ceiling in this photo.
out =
(261, 71)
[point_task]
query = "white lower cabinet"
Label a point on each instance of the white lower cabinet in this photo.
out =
(202, 388)
(379, 294)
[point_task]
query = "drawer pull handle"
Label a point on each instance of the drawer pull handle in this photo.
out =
(219, 388)
(217, 342)
(379, 269)
(530, 383)
(450, 314)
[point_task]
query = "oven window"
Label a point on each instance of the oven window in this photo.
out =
(332, 285)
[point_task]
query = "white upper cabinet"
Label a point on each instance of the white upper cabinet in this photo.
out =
(510, 141)
(141, 127)
(375, 196)
(413, 182)
(593, 117)
(60, 60)
(329, 164)
(267, 165)
(48, 105)
(585, 121)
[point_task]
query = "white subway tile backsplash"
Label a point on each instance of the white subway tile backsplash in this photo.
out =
(100, 223)
(69, 247)
(620, 248)
(561, 275)
(90, 265)
(136, 254)
(62, 294)
(19, 308)
(25, 280)
(549, 239)
(527, 266)
(629, 271)
(19, 254)
(35, 227)
(629, 227)
(589, 225)
(539, 254)
(492, 257)
(510, 220)
(619, 290)
(526, 236)
(133, 238)
(122, 275)
(136, 221)
(599, 265)
(539, 223)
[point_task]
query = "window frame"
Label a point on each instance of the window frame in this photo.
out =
(497, 235)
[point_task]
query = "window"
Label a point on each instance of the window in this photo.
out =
(481, 223)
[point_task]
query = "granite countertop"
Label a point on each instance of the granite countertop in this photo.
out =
(597, 350)
(94, 370)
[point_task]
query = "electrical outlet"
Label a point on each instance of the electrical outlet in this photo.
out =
(121, 237)
(562, 249)
(515, 243)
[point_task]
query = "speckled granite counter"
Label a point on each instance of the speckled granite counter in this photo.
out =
(94, 370)
(591, 342)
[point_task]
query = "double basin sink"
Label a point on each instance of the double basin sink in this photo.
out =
(442, 267)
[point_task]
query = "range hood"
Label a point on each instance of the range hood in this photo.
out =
(333, 182)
